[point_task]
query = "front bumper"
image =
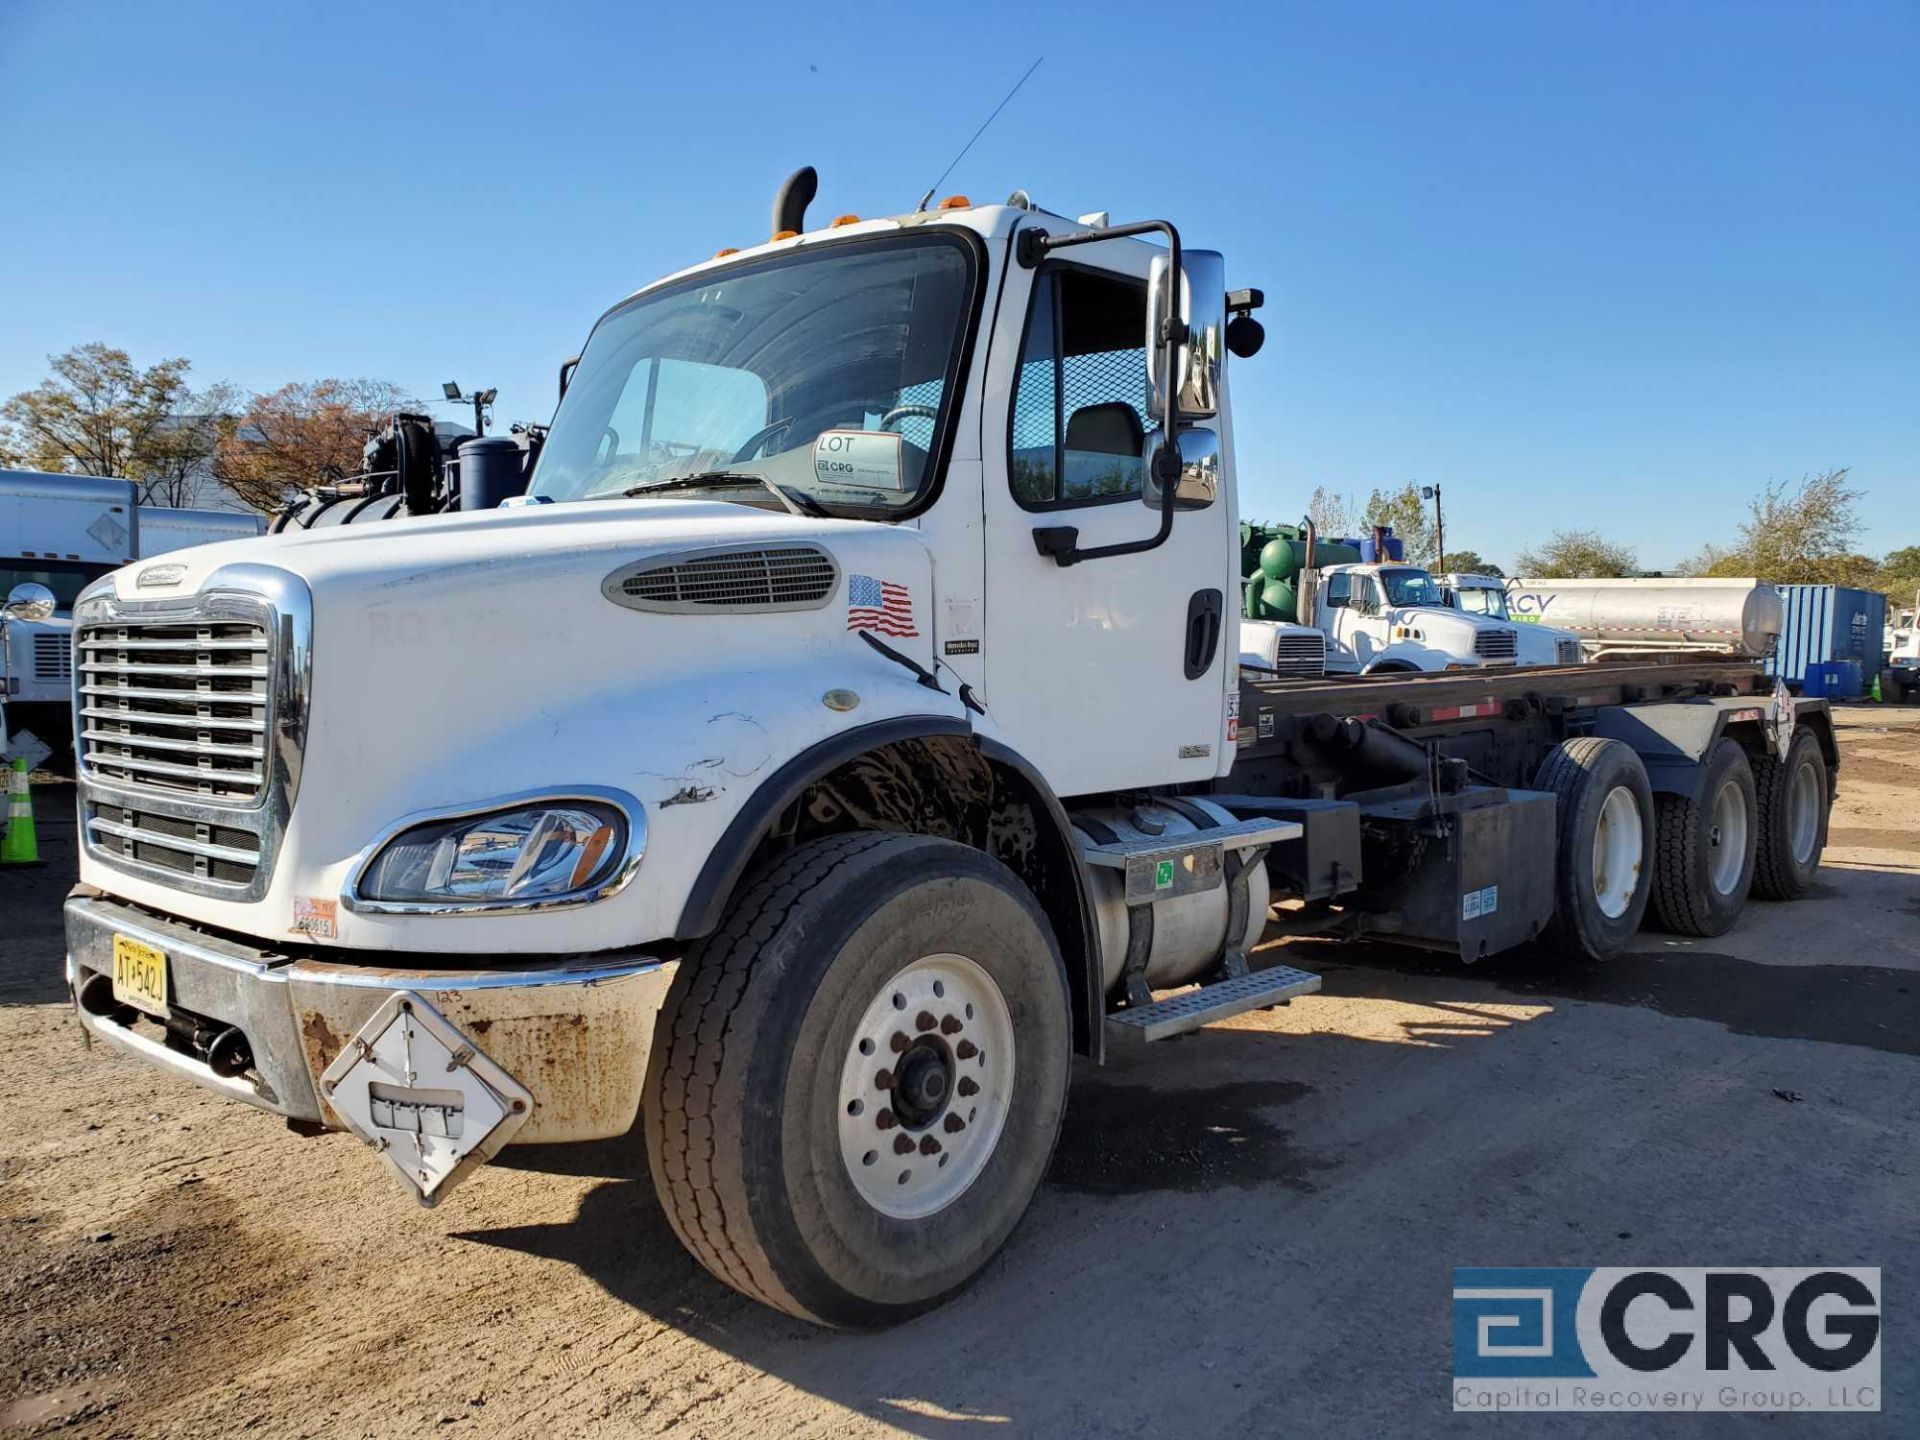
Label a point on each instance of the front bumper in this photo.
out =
(575, 1033)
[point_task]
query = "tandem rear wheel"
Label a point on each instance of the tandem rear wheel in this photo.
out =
(1604, 827)
(1706, 845)
(857, 1082)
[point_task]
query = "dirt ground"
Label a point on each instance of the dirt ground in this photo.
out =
(1248, 1231)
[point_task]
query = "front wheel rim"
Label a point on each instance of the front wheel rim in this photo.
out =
(926, 1086)
(1618, 846)
(1727, 838)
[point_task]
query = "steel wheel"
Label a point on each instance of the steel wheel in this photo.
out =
(1619, 846)
(1727, 838)
(925, 1086)
(1805, 802)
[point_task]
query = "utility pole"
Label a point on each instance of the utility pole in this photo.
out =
(1432, 492)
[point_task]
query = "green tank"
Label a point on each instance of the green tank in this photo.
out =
(1283, 557)
(1269, 599)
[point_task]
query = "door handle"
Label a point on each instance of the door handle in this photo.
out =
(1203, 631)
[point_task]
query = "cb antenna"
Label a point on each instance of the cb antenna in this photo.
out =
(978, 133)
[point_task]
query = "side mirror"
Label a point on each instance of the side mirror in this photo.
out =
(1202, 304)
(1197, 483)
(28, 602)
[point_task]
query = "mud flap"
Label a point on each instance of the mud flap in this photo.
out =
(423, 1095)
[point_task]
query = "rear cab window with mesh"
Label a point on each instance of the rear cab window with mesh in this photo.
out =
(1080, 415)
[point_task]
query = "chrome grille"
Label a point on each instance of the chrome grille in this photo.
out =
(225, 854)
(190, 717)
(177, 706)
(1300, 654)
(787, 577)
(52, 658)
(1496, 644)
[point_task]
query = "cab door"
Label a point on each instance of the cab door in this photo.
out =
(1111, 673)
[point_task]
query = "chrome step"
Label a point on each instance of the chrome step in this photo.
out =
(1191, 1009)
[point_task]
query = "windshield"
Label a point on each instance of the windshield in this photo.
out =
(1410, 587)
(829, 372)
(66, 578)
(1482, 602)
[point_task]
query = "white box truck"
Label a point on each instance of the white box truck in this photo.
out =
(58, 533)
(843, 734)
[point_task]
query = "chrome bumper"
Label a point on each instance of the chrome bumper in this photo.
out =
(575, 1033)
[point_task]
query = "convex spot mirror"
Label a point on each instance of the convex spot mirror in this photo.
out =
(29, 601)
(1198, 483)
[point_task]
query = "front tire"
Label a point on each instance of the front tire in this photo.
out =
(1603, 832)
(857, 1083)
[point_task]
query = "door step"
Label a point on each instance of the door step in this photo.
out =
(1164, 1019)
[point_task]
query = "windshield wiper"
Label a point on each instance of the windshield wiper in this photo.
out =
(796, 500)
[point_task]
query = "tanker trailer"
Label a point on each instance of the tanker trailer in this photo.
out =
(1619, 618)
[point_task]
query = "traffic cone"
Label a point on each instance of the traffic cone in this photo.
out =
(20, 846)
(1876, 689)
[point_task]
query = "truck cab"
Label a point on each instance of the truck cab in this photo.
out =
(870, 742)
(1485, 595)
(1903, 653)
(1379, 619)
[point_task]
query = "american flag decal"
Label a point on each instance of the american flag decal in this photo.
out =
(879, 605)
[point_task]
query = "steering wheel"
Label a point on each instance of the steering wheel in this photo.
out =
(907, 412)
(759, 438)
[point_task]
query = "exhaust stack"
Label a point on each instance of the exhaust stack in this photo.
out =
(790, 205)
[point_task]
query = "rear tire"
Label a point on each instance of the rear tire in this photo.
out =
(1603, 835)
(1793, 799)
(1705, 845)
(857, 1083)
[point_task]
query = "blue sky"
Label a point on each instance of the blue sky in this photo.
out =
(1594, 264)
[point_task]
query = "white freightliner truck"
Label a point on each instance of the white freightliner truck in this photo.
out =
(871, 748)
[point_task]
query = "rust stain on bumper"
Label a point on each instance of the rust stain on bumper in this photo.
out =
(581, 1049)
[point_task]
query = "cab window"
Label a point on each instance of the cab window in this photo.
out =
(1339, 591)
(1484, 602)
(1080, 414)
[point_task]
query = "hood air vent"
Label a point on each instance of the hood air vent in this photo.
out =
(734, 580)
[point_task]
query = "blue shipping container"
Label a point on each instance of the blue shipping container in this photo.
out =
(1829, 622)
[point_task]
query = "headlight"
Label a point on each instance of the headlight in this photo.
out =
(546, 852)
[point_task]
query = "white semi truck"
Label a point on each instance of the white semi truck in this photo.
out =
(58, 533)
(867, 748)
(1396, 618)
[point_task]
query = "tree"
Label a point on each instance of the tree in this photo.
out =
(1798, 535)
(1578, 555)
(1469, 562)
(99, 414)
(1899, 577)
(1407, 514)
(305, 433)
(1331, 512)
(178, 468)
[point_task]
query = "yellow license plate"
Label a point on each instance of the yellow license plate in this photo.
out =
(140, 976)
